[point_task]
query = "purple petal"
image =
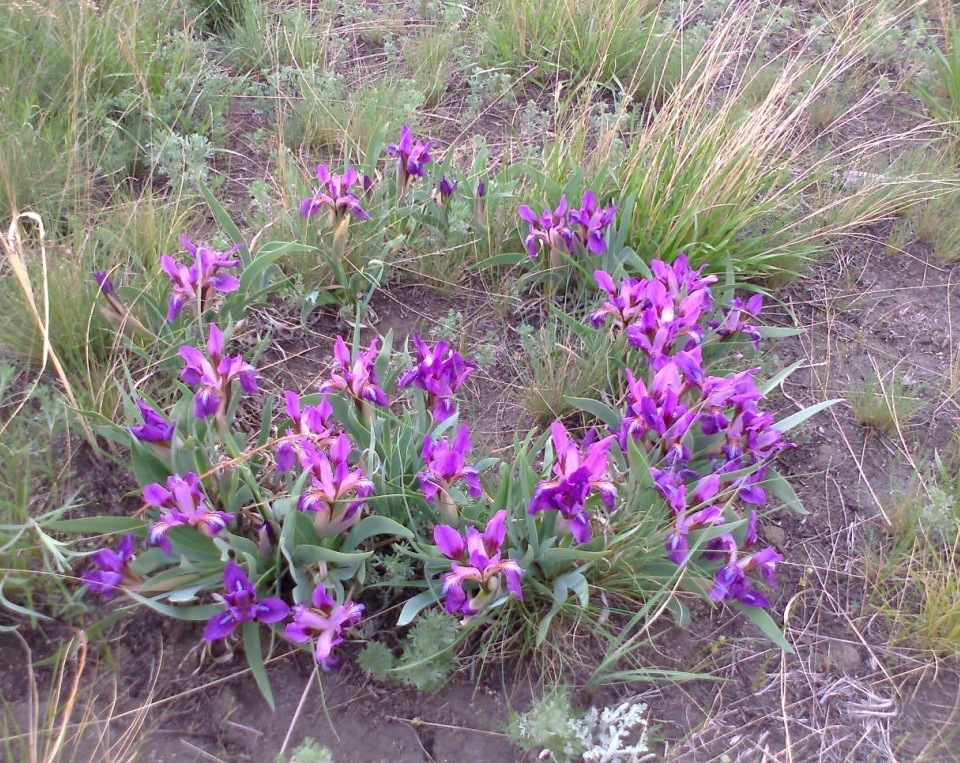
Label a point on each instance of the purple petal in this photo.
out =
(272, 610)
(234, 578)
(496, 531)
(156, 495)
(215, 341)
(225, 282)
(449, 541)
(219, 626)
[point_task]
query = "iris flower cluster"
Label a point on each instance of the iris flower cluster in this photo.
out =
(413, 156)
(358, 378)
(336, 491)
(311, 423)
(664, 318)
(661, 315)
(440, 372)
(324, 620)
(213, 376)
(182, 503)
(334, 193)
(480, 574)
(444, 467)
(199, 280)
(568, 231)
(580, 472)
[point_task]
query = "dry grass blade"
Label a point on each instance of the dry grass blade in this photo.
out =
(13, 248)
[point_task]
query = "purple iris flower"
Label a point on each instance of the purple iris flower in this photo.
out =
(358, 378)
(311, 423)
(183, 503)
(731, 582)
(326, 620)
(440, 371)
(445, 189)
(623, 304)
(104, 282)
(154, 428)
(657, 418)
(749, 486)
(577, 477)
(666, 318)
(446, 466)
(753, 434)
(549, 228)
(735, 319)
(720, 393)
(199, 280)
(478, 571)
(111, 569)
(336, 492)
(679, 277)
(215, 376)
(335, 194)
(680, 497)
(242, 605)
(593, 221)
(413, 156)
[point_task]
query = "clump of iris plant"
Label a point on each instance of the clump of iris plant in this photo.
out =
(111, 571)
(183, 504)
(664, 317)
(445, 466)
(324, 620)
(578, 475)
(214, 376)
(243, 605)
(199, 280)
(479, 574)
(440, 371)
(413, 156)
(334, 193)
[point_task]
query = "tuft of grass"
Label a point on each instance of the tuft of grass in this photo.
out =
(429, 57)
(560, 366)
(936, 223)
(625, 43)
(273, 35)
(922, 577)
(884, 405)
(75, 721)
(137, 228)
(941, 95)
(738, 187)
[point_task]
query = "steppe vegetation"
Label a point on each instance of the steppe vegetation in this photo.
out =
(595, 357)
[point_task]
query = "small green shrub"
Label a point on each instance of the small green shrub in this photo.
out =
(548, 728)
